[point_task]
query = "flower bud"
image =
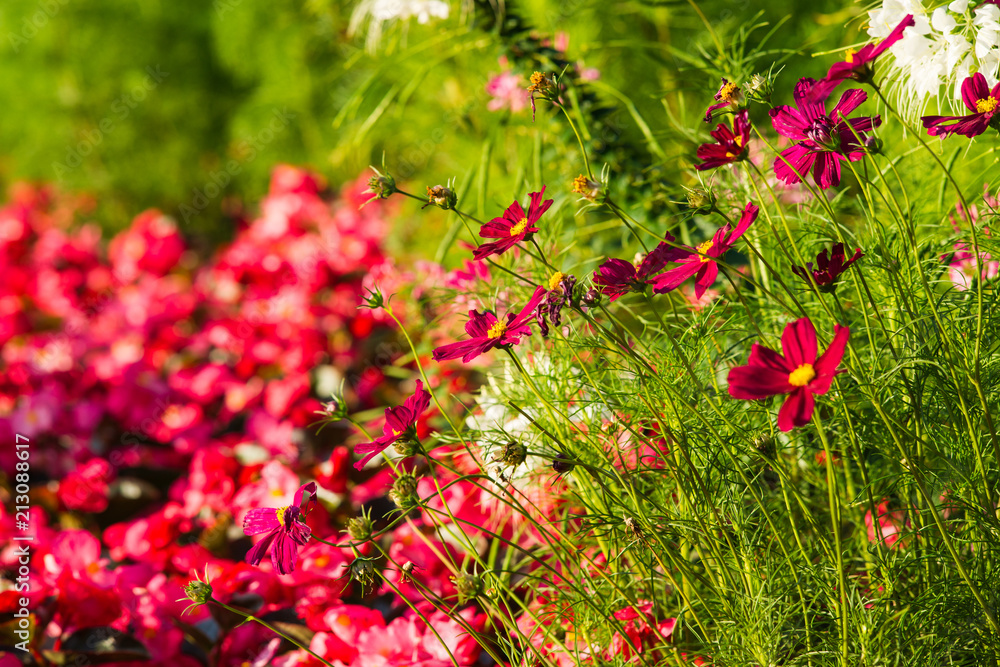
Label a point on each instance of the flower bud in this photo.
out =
(362, 570)
(591, 298)
(335, 409)
(700, 200)
(359, 528)
(199, 592)
(873, 144)
(407, 445)
(562, 463)
(468, 586)
(382, 185)
(513, 454)
(441, 197)
(759, 88)
(404, 492)
(374, 299)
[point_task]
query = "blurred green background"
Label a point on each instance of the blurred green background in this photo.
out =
(186, 105)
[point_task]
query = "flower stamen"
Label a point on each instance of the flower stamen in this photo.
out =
(497, 330)
(986, 105)
(802, 375)
(703, 249)
(728, 92)
(281, 515)
(519, 227)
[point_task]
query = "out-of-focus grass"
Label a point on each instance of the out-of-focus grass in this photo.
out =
(186, 105)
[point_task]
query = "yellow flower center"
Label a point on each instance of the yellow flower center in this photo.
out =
(281, 515)
(703, 250)
(728, 92)
(519, 227)
(802, 375)
(580, 184)
(498, 329)
(555, 279)
(850, 56)
(986, 105)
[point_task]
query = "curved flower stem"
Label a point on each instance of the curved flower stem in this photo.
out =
(629, 220)
(251, 617)
(541, 255)
(579, 139)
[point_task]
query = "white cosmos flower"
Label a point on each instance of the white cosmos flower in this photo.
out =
(944, 47)
(380, 12)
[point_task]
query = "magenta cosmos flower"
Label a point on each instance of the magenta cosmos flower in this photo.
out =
(400, 425)
(731, 146)
(700, 261)
(513, 227)
(828, 268)
(824, 139)
(487, 332)
(616, 277)
(857, 64)
(798, 373)
(980, 100)
(285, 527)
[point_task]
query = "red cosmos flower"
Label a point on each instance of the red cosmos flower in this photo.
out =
(700, 261)
(824, 139)
(731, 146)
(798, 373)
(488, 332)
(728, 95)
(513, 227)
(857, 65)
(287, 529)
(616, 277)
(400, 424)
(980, 100)
(828, 269)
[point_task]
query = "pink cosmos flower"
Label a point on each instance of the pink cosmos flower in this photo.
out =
(824, 139)
(890, 525)
(284, 527)
(513, 227)
(400, 424)
(980, 100)
(798, 373)
(732, 144)
(616, 277)
(828, 269)
(487, 331)
(700, 261)
(508, 91)
(857, 64)
(962, 267)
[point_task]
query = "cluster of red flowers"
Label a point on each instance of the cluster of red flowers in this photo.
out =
(168, 403)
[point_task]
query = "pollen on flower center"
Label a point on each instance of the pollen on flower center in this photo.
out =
(802, 375)
(728, 92)
(703, 250)
(555, 279)
(281, 515)
(850, 56)
(986, 105)
(519, 227)
(498, 329)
